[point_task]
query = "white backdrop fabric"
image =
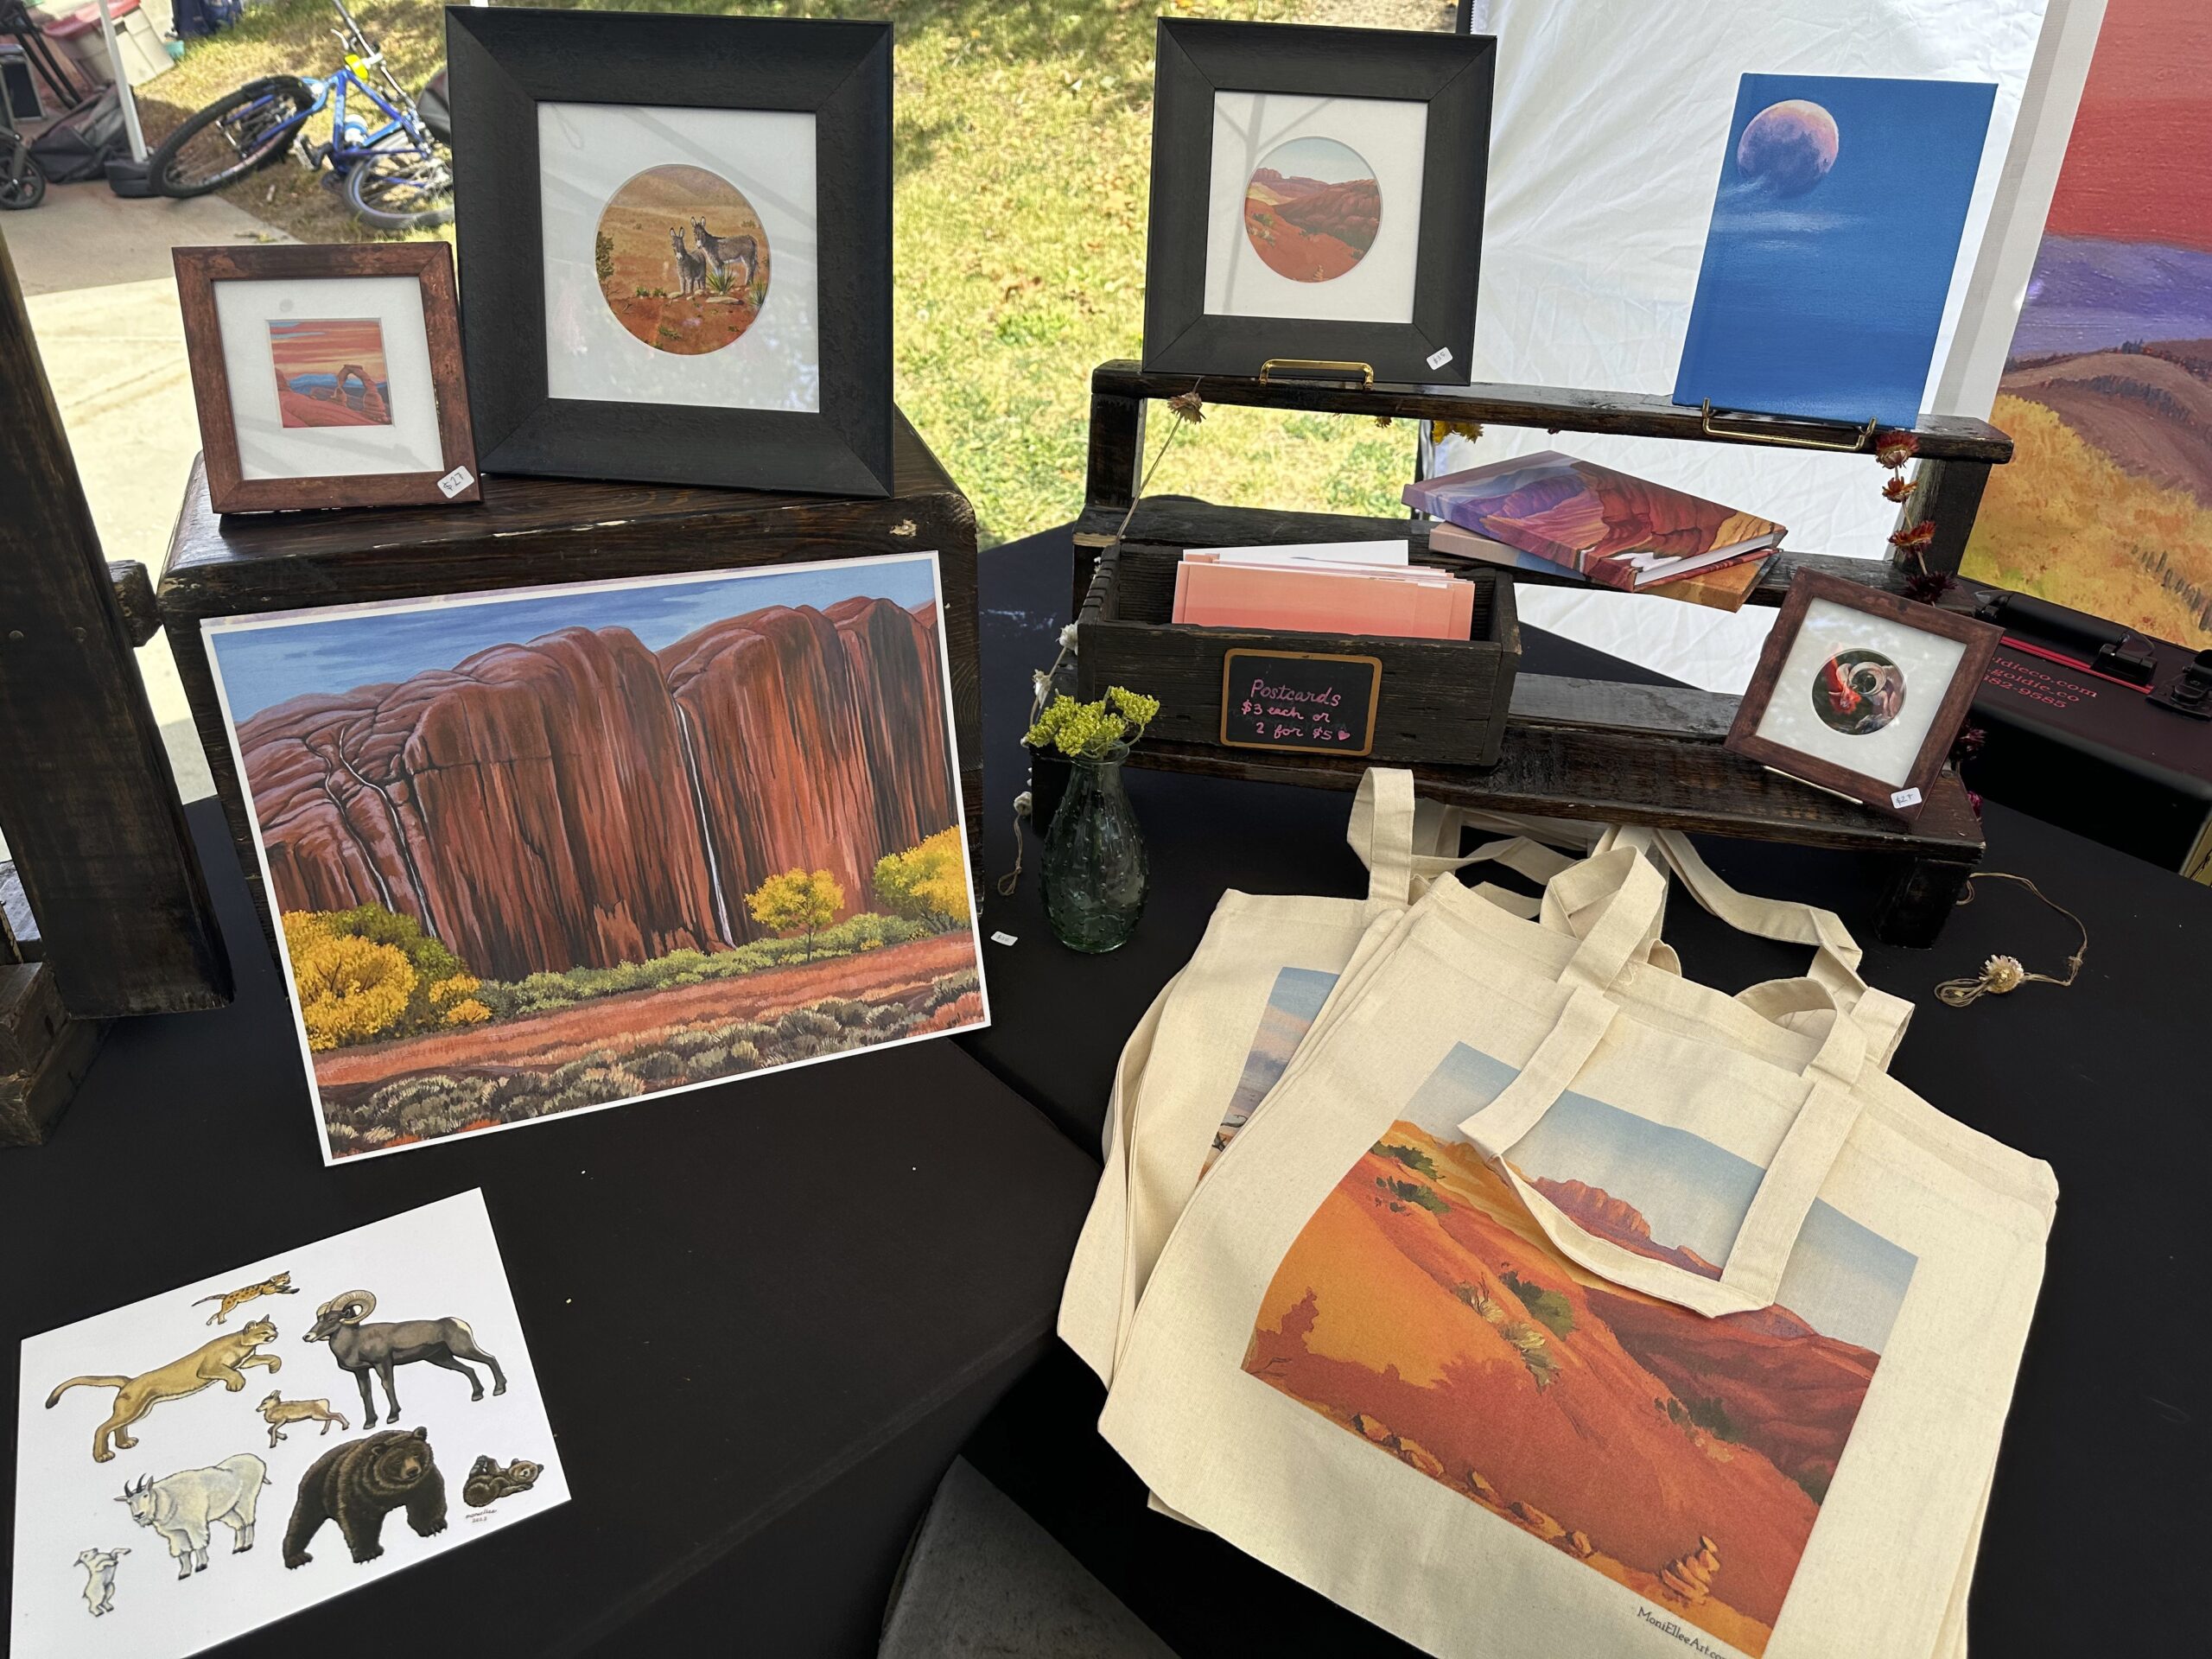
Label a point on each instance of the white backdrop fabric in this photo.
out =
(1607, 134)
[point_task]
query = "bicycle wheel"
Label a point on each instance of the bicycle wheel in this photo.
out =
(401, 190)
(22, 182)
(231, 137)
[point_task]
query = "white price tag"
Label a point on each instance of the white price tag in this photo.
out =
(456, 481)
(1905, 797)
(1440, 357)
(1002, 939)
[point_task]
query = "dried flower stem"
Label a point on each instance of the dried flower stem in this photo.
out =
(1189, 412)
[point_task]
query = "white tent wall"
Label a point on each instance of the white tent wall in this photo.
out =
(1610, 120)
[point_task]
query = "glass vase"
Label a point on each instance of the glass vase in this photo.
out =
(1095, 874)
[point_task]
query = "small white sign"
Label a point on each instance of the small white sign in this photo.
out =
(1002, 939)
(1440, 357)
(456, 481)
(1905, 797)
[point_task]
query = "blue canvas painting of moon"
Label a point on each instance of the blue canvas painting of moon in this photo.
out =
(1835, 233)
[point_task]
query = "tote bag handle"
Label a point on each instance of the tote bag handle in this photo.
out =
(1407, 842)
(1619, 896)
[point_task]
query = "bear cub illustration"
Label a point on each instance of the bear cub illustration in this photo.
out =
(359, 1484)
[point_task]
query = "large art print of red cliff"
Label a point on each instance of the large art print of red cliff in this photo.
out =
(547, 850)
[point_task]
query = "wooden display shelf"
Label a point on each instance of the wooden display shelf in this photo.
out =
(1571, 749)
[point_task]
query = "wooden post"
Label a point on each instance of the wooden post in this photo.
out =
(1113, 470)
(87, 803)
(1947, 494)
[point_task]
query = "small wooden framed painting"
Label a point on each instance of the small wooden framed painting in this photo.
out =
(327, 377)
(1316, 195)
(1862, 692)
(677, 232)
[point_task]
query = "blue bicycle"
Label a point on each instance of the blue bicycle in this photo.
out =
(394, 175)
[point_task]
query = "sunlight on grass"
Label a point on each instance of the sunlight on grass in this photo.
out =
(1023, 144)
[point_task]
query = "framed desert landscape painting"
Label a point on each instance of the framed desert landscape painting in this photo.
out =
(327, 377)
(678, 234)
(1317, 194)
(549, 849)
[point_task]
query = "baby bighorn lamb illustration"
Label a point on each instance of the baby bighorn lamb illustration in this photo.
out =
(276, 1411)
(362, 1349)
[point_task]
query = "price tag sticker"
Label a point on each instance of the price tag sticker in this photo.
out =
(456, 481)
(1003, 937)
(1440, 357)
(1905, 797)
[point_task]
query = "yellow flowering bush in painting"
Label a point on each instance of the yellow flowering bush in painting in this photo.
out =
(797, 902)
(350, 989)
(927, 883)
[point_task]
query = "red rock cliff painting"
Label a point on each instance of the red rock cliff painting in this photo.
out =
(1685, 1458)
(540, 852)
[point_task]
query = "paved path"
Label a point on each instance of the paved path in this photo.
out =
(96, 272)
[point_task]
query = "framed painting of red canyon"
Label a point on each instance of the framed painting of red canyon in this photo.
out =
(550, 849)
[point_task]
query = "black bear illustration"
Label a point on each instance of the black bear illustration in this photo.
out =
(359, 1484)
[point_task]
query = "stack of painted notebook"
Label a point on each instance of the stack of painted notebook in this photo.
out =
(1551, 512)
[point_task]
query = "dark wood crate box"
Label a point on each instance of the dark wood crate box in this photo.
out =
(1439, 701)
(538, 531)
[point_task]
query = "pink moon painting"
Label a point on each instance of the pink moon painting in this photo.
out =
(1789, 146)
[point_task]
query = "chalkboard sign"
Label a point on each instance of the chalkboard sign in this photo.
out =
(1303, 701)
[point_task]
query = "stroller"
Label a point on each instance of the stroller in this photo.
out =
(22, 182)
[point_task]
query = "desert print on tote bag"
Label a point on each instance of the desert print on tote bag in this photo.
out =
(1217, 1035)
(1362, 1358)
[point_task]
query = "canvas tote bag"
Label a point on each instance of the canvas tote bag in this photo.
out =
(1465, 1330)
(1211, 1045)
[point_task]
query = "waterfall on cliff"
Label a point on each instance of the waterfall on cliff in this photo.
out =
(706, 833)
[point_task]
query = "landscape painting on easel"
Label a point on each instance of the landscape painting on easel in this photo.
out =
(2107, 507)
(548, 850)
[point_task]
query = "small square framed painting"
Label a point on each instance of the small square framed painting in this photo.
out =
(677, 234)
(1862, 692)
(1316, 195)
(327, 377)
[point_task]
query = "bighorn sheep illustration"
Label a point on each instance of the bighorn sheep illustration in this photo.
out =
(362, 1349)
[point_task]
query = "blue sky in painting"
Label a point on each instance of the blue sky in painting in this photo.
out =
(1827, 302)
(1294, 1004)
(344, 648)
(1847, 1281)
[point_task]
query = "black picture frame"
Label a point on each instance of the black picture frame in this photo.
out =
(503, 62)
(1452, 74)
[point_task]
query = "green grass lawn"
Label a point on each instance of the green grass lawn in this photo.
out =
(1023, 151)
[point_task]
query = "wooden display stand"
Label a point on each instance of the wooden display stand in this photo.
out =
(1571, 749)
(102, 910)
(536, 531)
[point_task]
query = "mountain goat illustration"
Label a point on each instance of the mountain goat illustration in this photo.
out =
(362, 1349)
(183, 1508)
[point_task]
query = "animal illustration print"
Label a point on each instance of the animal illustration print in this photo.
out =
(359, 1484)
(223, 1360)
(278, 1284)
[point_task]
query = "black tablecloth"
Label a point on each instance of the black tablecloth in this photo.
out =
(2091, 1530)
(763, 1315)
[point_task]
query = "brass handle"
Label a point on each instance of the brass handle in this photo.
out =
(1861, 438)
(1308, 366)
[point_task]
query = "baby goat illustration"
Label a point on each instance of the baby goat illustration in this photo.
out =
(724, 251)
(99, 1578)
(362, 1349)
(276, 1411)
(277, 1284)
(690, 268)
